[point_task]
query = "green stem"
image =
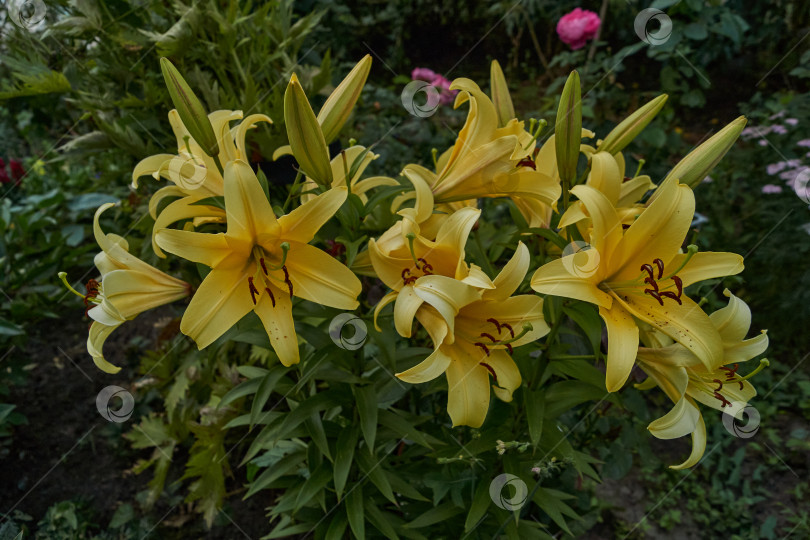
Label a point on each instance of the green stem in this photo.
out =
(292, 190)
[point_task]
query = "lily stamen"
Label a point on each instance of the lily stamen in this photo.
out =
(272, 298)
(690, 252)
(253, 290)
(491, 371)
(484, 347)
(720, 396)
(496, 323)
(527, 327)
(762, 365)
(660, 264)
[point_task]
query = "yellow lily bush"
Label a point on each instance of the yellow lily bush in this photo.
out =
(489, 306)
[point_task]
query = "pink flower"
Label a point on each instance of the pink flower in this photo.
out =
(438, 81)
(771, 188)
(805, 143)
(578, 27)
(792, 121)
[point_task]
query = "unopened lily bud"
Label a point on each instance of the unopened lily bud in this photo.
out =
(631, 126)
(699, 162)
(336, 110)
(191, 111)
(500, 94)
(568, 130)
(305, 135)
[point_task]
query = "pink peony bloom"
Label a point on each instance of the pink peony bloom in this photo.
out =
(771, 188)
(577, 27)
(441, 83)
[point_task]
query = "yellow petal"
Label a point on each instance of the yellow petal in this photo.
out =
(473, 320)
(507, 374)
(95, 342)
(500, 94)
(179, 210)
(278, 323)
(388, 269)
(698, 446)
(304, 222)
(204, 248)
(673, 380)
(134, 292)
(456, 229)
(633, 190)
(221, 301)
(607, 231)
(687, 324)
(249, 212)
(428, 369)
(320, 278)
(433, 323)
(335, 112)
(477, 278)
(734, 320)
(163, 193)
(659, 231)
(468, 391)
(622, 334)
(150, 166)
(240, 132)
(511, 275)
(605, 176)
(384, 301)
(446, 295)
(556, 278)
(707, 265)
(405, 310)
(681, 420)
(746, 350)
(422, 180)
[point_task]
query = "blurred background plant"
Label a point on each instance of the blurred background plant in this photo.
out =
(83, 100)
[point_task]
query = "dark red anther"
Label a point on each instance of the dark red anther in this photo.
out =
(253, 290)
(730, 371)
(496, 323)
(424, 264)
(405, 273)
(491, 371)
(527, 162)
(649, 269)
(427, 269)
(509, 348)
(272, 298)
(286, 274)
(264, 268)
(508, 327)
(720, 396)
(410, 280)
(652, 283)
(660, 264)
(492, 339)
(479, 344)
(655, 295)
(670, 294)
(679, 284)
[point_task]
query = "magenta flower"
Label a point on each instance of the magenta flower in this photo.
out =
(771, 188)
(577, 27)
(438, 81)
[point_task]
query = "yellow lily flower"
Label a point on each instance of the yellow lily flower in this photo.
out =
(486, 160)
(341, 168)
(639, 274)
(608, 176)
(486, 329)
(128, 287)
(685, 380)
(419, 269)
(260, 263)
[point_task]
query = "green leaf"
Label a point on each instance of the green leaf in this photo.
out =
(402, 427)
(381, 520)
(478, 507)
(354, 511)
(587, 317)
(314, 484)
(550, 501)
(241, 390)
(315, 428)
(373, 469)
(564, 395)
(285, 465)
(344, 452)
(435, 515)
(266, 387)
(367, 409)
(337, 527)
(535, 403)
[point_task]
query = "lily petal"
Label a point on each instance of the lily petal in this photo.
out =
(428, 369)
(622, 334)
(204, 248)
(249, 213)
(95, 342)
(555, 278)
(512, 275)
(507, 374)
(732, 321)
(304, 222)
(707, 265)
(698, 446)
(681, 420)
(278, 323)
(405, 309)
(468, 391)
(320, 278)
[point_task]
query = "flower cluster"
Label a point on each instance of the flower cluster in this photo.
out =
(629, 235)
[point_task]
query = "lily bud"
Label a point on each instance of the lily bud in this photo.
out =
(631, 126)
(568, 130)
(305, 135)
(190, 109)
(500, 94)
(337, 108)
(699, 162)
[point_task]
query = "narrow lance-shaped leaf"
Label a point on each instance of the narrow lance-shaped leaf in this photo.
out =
(190, 109)
(631, 126)
(568, 129)
(692, 169)
(500, 94)
(339, 105)
(305, 135)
